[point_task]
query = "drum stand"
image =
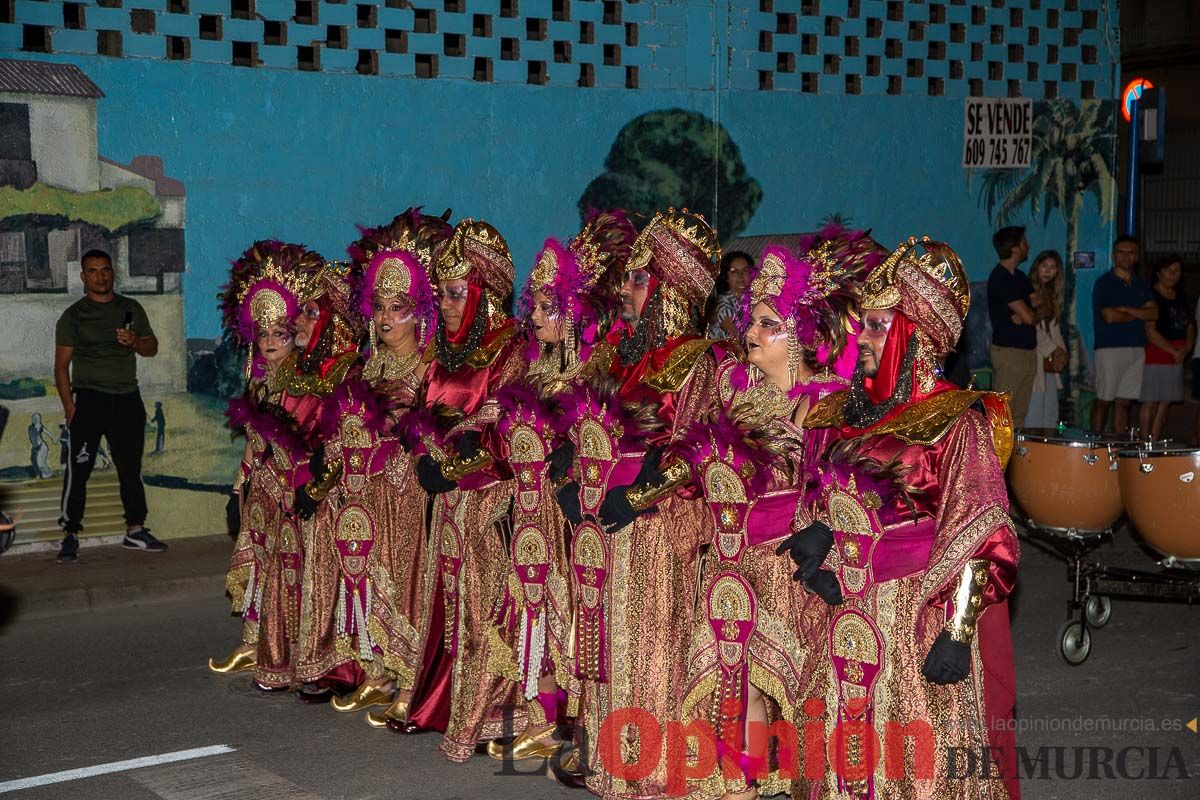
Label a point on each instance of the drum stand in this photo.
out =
(1095, 583)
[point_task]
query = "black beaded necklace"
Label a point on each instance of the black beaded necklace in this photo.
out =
(452, 359)
(309, 362)
(860, 412)
(633, 347)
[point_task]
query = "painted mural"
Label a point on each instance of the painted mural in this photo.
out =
(176, 166)
(59, 198)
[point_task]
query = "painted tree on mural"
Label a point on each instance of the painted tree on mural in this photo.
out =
(1074, 152)
(676, 158)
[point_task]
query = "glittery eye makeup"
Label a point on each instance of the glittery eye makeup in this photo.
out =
(456, 294)
(639, 277)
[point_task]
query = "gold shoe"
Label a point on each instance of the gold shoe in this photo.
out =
(397, 710)
(363, 697)
(526, 745)
(236, 662)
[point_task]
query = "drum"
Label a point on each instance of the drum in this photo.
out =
(1160, 488)
(1066, 481)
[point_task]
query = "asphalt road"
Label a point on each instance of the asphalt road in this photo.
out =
(107, 686)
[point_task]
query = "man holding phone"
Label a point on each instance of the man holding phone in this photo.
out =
(97, 341)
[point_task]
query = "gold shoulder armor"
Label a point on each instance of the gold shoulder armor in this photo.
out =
(926, 421)
(486, 354)
(1000, 421)
(679, 365)
(601, 359)
(316, 385)
(827, 413)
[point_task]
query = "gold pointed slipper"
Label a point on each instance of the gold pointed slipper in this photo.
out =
(527, 745)
(361, 698)
(397, 710)
(237, 661)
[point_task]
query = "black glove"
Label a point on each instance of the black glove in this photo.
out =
(233, 513)
(568, 501)
(305, 506)
(560, 460)
(468, 444)
(429, 475)
(615, 511)
(650, 474)
(316, 462)
(808, 549)
(824, 584)
(948, 661)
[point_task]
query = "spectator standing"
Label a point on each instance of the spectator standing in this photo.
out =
(721, 319)
(1046, 276)
(1121, 306)
(97, 341)
(1010, 309)
(1170, 339)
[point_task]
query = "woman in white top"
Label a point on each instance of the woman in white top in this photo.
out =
(1046, 275)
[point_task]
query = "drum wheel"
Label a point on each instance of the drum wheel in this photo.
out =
(1098, 610)
(1074, 642)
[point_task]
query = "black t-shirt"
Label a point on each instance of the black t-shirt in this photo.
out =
(1004, 288)
(1174, 316)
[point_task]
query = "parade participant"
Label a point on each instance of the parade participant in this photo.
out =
(751, 645)
(648, 588)
(569, 299)
(259, 306)
(327, 335)
(368, 580)
(474, 354)
(915, 529)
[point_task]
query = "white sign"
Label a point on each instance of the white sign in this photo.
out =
(997, 132)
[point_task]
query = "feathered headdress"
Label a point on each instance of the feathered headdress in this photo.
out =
(412, 231)
(816, 293)
(583, 277)
(268, 284)
(394, 260)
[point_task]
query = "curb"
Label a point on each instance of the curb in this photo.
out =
(63, 602)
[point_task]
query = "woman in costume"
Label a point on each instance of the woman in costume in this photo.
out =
(749, 653)
(475, 353)
(571, 293)
(260, 305)
(370, 575)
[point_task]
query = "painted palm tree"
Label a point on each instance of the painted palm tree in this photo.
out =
(1074, 152)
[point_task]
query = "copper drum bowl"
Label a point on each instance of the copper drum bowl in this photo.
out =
(1160, 487)
(1066, 481)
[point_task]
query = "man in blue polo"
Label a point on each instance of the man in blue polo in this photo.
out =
(1121, 306)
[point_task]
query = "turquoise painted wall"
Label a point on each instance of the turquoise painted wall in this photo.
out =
(273, 151)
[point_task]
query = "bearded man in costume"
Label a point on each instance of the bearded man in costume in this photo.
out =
(369, 580)
(913, 550)
(475, 353)
(636, 571)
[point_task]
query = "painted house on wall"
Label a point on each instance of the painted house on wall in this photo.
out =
(59, 198)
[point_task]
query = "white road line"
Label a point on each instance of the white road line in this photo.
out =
(116, 766)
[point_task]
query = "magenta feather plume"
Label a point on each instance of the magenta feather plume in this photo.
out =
(354, 397)
(270, 422)
(722, 438)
